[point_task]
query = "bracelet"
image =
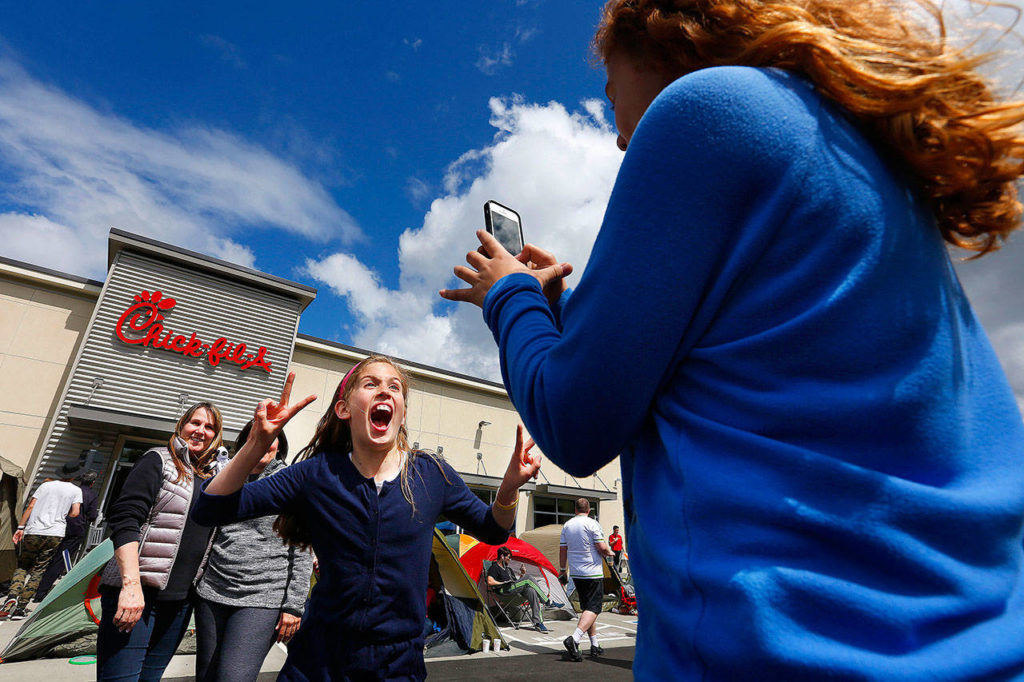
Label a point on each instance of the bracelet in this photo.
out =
(129, 581)
(506, 507)
(21, 527)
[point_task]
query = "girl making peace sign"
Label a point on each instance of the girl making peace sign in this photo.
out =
(366, 503)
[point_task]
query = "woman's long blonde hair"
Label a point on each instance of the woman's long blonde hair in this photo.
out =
(334, 435)
(887, 62)
(200, 465)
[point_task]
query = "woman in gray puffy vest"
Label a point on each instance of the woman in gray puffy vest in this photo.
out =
(145, 589)
(252, 590)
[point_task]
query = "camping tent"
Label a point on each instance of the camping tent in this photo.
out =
(466, 620)
(546, 539)
(12, 487)
(71, 608)
(524, 555)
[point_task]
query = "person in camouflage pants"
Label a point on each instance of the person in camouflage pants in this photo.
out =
(40, 533)
(36, 553)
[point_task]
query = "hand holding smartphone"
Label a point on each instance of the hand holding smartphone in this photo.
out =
(505, 225)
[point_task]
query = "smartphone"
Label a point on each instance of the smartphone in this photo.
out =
(505, 225)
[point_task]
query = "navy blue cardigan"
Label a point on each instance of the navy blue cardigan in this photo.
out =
(373, 550)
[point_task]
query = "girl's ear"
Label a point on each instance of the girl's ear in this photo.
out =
(342, 411)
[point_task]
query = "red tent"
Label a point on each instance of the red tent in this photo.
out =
(522, 551)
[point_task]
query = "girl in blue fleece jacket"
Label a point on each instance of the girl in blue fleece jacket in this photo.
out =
(823, 463)
(366, 504)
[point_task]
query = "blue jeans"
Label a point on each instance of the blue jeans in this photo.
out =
(143, 653)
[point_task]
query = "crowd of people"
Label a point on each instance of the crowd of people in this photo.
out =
(821, 455)
(233, 541)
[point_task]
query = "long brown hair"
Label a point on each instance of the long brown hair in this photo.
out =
(334, 435)
(886, 62)
(197, 466)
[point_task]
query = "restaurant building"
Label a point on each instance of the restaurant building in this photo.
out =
(98, 372)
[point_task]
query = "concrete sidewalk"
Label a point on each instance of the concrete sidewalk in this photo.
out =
(614, 631)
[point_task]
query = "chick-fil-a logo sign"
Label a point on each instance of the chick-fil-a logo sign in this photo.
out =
(145, 317)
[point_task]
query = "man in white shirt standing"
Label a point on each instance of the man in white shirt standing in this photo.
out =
(583, 549)
(39, 534)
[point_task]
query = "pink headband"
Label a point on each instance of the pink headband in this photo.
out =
(341, 386)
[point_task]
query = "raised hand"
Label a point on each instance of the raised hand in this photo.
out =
(537, 258)
(270, 416)
(523, 466)
(492, 262)
(268, 421)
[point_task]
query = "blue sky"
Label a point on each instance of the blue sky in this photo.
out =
(349, 146)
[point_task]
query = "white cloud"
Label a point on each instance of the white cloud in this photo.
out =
(228, 51)
(417, 190)
(554, 166)
(72, 172)
(491, 59)
(557, 168)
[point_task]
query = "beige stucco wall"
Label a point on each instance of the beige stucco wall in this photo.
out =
(443, 411)
(43, 318)
(42, 321)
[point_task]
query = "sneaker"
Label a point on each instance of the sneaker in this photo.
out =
(554, 604)
(8, 608)
(573, 648)
(596, 650)
(19, 614)
(540, 627)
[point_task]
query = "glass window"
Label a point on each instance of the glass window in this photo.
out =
(130, 453)
(486, 495)
(548, 510)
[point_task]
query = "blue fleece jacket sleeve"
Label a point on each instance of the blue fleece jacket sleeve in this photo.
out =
(673, 242)
(463, 507)
(269, 495)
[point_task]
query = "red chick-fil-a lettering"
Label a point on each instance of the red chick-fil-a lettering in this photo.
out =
(141, 324)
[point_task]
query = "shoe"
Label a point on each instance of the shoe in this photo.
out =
(19, 614)
(554, 604)
(8, 608)
(573, 648)
(540, 627)
(596, 650)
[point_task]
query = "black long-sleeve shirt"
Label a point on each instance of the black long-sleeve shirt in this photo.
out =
(131, 510)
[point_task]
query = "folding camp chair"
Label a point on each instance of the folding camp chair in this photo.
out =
(514, 608)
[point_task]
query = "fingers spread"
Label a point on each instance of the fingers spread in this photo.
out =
(292, 410)
(490, 245)
(286, 392)
(467, 275)
(456, 294)
(476, 259)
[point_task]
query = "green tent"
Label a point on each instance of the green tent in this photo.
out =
(12, 488)
(471, 616)
(71, 608)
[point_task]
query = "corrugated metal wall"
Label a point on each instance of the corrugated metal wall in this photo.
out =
(154, 381)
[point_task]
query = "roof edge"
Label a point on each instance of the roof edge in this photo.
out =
(120, 240)
(55, 278)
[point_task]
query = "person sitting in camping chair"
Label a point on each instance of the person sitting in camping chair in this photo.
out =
(502, 580)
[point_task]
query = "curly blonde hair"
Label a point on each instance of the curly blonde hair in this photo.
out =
(887, 62)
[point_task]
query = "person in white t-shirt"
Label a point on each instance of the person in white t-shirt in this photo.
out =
(39, 534)
(583, 549)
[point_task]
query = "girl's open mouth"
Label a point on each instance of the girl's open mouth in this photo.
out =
(380, 417)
